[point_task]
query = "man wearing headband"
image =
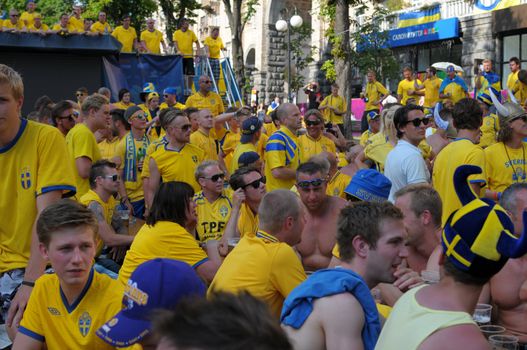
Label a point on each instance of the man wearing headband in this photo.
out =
(477, 242)
(405, 164)
(318, 236)
(334, 307)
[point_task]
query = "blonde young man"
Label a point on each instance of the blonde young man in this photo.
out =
(151, 38)
(65, 310)
(32, 155)
(406, 89)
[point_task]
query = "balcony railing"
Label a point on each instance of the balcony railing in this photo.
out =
(449, 9)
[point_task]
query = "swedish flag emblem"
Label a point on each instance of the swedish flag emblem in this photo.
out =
(25, 178)
(84, 323)
(224, 211)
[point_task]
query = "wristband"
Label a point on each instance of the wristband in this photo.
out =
(28, 283)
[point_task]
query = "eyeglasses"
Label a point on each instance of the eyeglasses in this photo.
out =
(185, 127)
(312, 122)
(79, 94)
(417, 121)
(215, 178)
(256, 183)
(111, 177)
(307, 183)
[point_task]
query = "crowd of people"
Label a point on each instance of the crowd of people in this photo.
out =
(185, 224)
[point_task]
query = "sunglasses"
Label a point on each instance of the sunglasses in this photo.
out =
(256, 183)
(417, 121)
(312, 122)
(207, 81)
(215, 178)
(14, 15)
(70, 117)
(165, 96)
(111, 177)
(185, 127)
(139, 116)
(79, 95)
(308, 183)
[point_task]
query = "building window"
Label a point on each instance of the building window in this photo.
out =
(513, 46)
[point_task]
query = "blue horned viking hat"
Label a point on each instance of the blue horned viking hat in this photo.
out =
(478, 238)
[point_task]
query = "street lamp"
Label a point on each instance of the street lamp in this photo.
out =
(283, 26)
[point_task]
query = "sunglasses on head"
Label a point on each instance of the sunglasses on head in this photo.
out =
(111, 177)
(417, 121)
(215, 178)
(308, 183)
(312, 122)
(256, 183)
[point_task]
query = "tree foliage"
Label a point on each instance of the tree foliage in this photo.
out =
(301, 56)
(174, 10)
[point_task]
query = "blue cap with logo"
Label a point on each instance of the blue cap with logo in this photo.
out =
(249, 127)
(369, 185)
(155, 284)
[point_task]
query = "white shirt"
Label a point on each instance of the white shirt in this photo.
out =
(404, 166)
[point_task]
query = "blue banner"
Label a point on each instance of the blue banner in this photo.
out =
(433, 31)
(132, 71)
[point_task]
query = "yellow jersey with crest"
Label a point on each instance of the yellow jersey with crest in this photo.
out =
(178, 165)
(373, 93)
(432, 91)
(166, 240)
(215, 46)
(310, 147)
(212, 217)
(152, 40)
(32, 164)
(337, 184)
(134, 189)
(49, 318)
(184, 40)
(505, 166)
(212, 101)
(108, 209)
(282, 150)
(337, 102)
(205, 142)
(82, 143)
(489, 130)
(404, 86)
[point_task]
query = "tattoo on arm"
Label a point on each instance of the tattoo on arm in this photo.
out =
(96, 208)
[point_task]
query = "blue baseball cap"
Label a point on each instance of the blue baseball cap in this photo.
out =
(450, 69)
(170, 90)
(248, 158)
(369, 185)
(250, 127)
(155, 284)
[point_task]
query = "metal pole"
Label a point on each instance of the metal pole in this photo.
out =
(288, 62)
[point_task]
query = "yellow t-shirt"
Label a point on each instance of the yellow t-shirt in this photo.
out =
(212, 217)
(520, 91)
(184, 40)
(205, 142)
(404, 86)
(33, 164)
(270, 128)
(125, 37)
(260, 146)
(459, 152)
(373, 92)
(282, 150)
(19, 25)
(214, 45)
(81, 142)
(50, 319)
(432, 91)
(108, 209)
(247, 221)
(179, 165)
(265, 267)
(212, 101)
(152, 40)
(310, 147)
(107, 148)
(121, 105)
(78, 24)
(151, 148)
(504, 166)
(232, 139)
(337, 102)
(28, 18)
(98, 27)
(241, 148)
(489, 130)
(134, 189)
(43, 27)
(338, 184)
(166, 240)
(69, 27)
(178, 105)
(511, 80)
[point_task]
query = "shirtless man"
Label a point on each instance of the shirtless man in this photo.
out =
(508, 288)
(318, 237)
(333, 308)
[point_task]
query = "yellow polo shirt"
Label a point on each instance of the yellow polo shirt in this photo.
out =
(212, 217)
(212, 101)
(489, 130)
(247, 221)
(107, 148)
(511, 80)
(432, 91)
(373, 92)
(125, 37)
(153, 40)
(240, 149)
(231, 140)
(263, 266)
(19, 25)
(184, 40)
(78, 24)
(337, 102)
(98, 27)
(205, 142)
(310, 147)
(214, 45)
(337, 184)
(404, 86)
(505, 166)
(28, 18)
(282, 150)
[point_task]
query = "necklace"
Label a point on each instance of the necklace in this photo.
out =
(512, 166)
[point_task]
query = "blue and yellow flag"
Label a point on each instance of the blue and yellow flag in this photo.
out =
(481, 6)
(430, 14)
